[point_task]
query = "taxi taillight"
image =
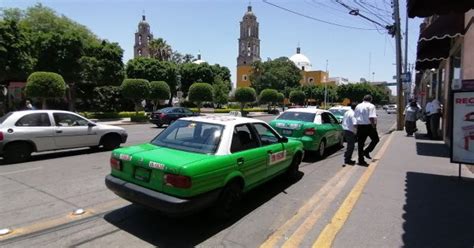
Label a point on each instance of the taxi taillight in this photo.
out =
(115, 163)
(177, 181)
(309, 131)
(1, 136)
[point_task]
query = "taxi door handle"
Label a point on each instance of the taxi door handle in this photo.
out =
(240, 161)
(59, 131)
(270, 152)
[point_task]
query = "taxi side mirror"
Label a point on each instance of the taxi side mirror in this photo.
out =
(283, 139)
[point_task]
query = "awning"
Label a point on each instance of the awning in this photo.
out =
(425, 8)
(435, 40)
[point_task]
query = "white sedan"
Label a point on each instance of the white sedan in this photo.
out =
(25, 132)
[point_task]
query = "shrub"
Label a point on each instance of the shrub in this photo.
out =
(297, 97)
(159, 90)
(245, 95)
(136, 90)
(269, 96)
(199, 93)
(45, 85)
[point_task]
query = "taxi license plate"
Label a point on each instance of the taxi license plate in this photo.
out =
(142, 174)
(286, 132)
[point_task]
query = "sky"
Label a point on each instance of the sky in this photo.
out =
(212, 27)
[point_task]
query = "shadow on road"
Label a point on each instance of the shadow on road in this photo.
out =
(432, 149)
(312, 156)
(439, 211)
(60, 154)
(190, 231)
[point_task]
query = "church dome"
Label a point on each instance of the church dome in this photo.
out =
(143, 22)
(249, 12)
(199, 60)
(301, 61)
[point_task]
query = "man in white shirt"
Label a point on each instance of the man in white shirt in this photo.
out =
(350, 130)
(435, 116)
(428, 108)
(366, 118)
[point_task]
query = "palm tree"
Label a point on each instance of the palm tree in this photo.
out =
(160, 50)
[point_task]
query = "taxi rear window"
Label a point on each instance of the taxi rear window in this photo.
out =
(297, 116)
(191, 136)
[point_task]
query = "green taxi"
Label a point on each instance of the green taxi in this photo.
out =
(339, 112)
(317, 129)
(201, 161)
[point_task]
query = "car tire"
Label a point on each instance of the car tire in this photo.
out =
(322, 148)
(293, 169)
(17, 152)
(228, 201)
(111, 141)
(159, 125)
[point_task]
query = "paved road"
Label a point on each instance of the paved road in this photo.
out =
(37, 197)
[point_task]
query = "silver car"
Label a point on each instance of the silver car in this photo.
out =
(25, 132)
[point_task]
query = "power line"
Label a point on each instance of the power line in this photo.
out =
(356, 12)
(314, 18)
(370, 12)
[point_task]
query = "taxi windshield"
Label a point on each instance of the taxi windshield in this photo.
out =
(191, 136)
(297, 116)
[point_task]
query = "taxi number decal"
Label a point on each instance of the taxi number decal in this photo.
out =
(125, 157)
(277, 157)
(156, 165)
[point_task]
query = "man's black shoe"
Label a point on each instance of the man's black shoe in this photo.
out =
(367, 155)
(363, 163)
(350, 162)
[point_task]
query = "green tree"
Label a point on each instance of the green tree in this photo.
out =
(160, 50)
(45, 85)
(220, 92)
(191, 73)
(199, 93)
(269, 96)
(159, 90)
(16, 62)
(275, 74)
(356, 92)
(297, 97)
(153, 70)
(280, 99)
(245, 95)
(135, 90)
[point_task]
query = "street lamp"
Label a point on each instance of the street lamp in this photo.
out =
(179, 93)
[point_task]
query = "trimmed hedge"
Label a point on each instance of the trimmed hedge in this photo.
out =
(110, 115)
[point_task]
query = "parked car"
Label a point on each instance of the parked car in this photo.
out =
(317, 129)
(339, 112)
(385, 107)
(25, 132)
(202, 161)
(170, 114)
(392, 109)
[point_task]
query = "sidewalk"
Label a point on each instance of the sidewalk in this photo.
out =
(413, 199)
(126, 121)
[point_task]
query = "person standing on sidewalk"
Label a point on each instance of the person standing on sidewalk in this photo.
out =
(350, 130)
(428, 108)
(435, 111)
(411, 116)
(366, 118)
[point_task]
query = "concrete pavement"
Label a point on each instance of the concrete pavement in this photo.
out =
(413, 199)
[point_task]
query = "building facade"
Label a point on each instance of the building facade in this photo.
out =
(445, 50)
(309, 76)
(249, 47)
(143, 37)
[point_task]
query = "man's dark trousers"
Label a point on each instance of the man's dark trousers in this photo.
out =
(428, 126)
(350, 139)
(434, 125)
(364, 131)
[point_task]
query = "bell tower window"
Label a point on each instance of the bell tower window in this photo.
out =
(139, 52)
(139, 39)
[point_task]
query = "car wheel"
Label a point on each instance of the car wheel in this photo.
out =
(322, 149)
(111, 141)
(293, 169)
(17, 152)
(228, 200)
(159, 125)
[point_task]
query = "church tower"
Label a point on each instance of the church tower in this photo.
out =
(142, 39)
(249, 47)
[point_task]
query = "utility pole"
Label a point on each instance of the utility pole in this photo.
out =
(326, 86)
(398, 48)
